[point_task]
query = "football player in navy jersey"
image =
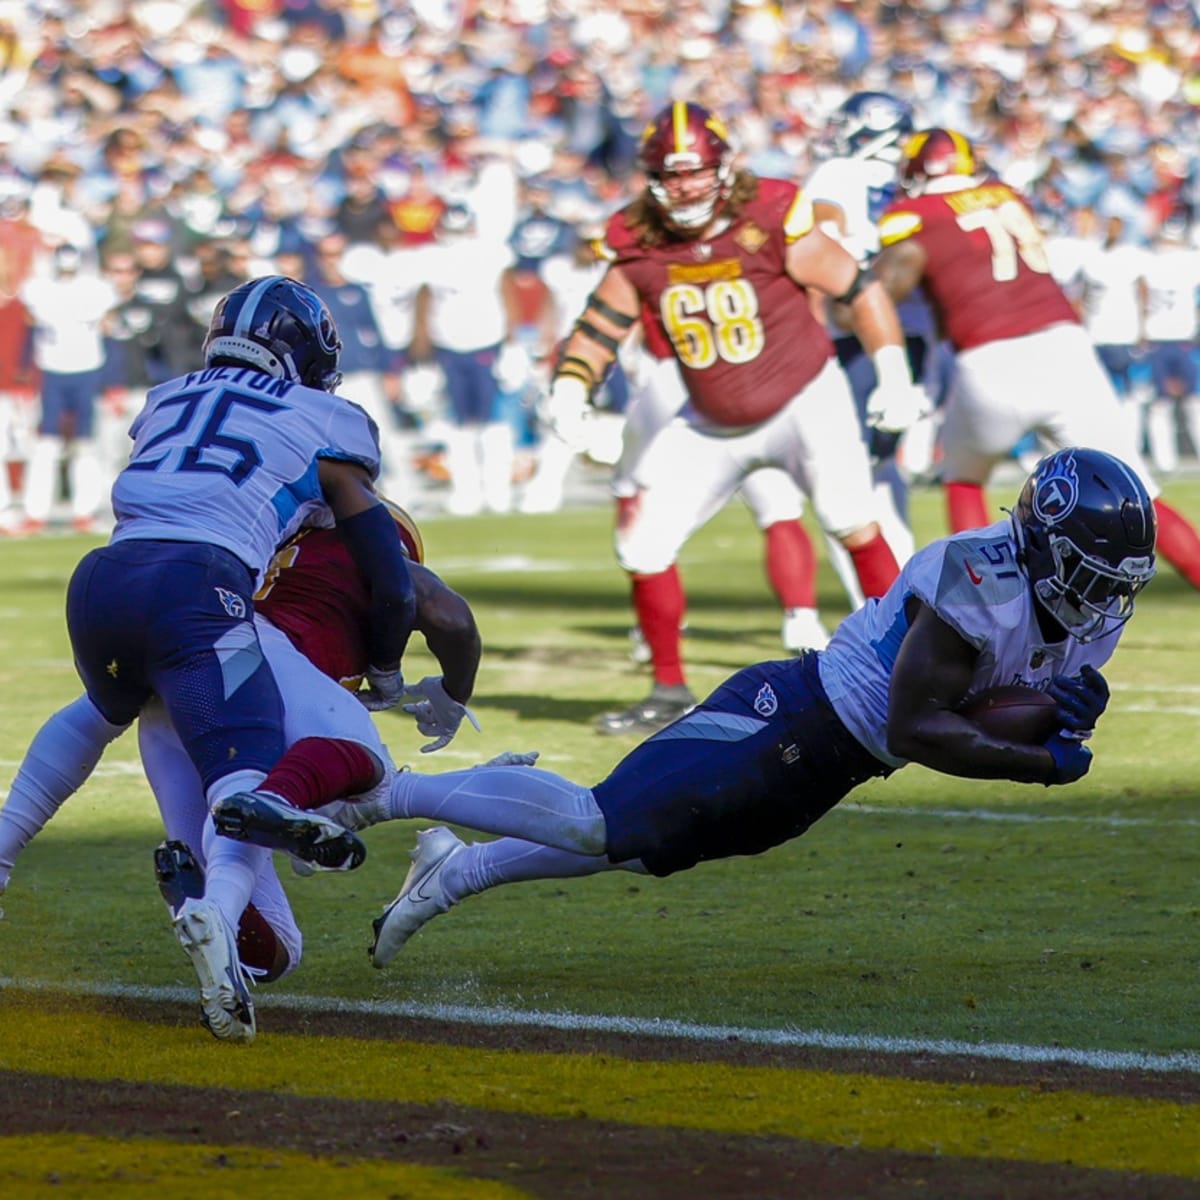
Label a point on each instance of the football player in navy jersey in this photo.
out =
(226, 463)
(1038, 599)
(310, 617)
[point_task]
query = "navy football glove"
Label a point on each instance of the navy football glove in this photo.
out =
(1072, 759)
(1081, 699)
(385, 689)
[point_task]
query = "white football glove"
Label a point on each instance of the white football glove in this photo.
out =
(512, 368)
(895, 407)
(438, 714)
(567, 411)
(385, 689)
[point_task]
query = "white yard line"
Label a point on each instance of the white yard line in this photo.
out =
(1100, 1060)
(1100, 820)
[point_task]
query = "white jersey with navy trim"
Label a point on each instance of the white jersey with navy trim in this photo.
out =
(972, 581)
(861, 188)
(228, 456)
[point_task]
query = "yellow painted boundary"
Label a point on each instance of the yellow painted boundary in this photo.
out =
(964, 1120)
(57, 1165)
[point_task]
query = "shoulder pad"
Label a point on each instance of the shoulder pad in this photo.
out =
(410, 535)
(618, 237)
(898, 225)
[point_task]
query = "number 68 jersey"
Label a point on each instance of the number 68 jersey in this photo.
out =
(228, 456)
(741, 327)
(987, 273)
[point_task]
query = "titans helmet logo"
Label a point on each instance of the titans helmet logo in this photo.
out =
(1057, 491)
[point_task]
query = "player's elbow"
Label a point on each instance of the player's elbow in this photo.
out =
(906, 740)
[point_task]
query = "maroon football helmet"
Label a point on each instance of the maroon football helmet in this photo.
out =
(684, 141)
(932, 154)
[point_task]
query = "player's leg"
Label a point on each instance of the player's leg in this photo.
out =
(714, 783)
(512, 801)
(777, 506)
(1089, 415)
(671, 505)
(445, 871)
(146, 619)
(818, 439)
(982, 422)
(334, 752)
(63, 754)
(85, 474)
(656, 397)
(269, 940)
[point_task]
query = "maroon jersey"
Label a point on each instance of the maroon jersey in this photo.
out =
(313, 591)
(987, 274)
(741, 327)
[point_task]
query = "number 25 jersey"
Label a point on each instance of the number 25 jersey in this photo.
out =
(741, 327)
(228, 456)
(987, 273)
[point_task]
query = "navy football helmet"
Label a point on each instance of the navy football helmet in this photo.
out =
(870, 125)
(1085, 525)
(279, 326)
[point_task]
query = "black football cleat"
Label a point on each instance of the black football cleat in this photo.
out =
(266, 821)
(663, 705)
(180, 877)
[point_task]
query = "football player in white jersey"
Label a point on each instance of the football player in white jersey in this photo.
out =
(1171, 281)
(227, 462)
(1038, 599)
(849, 188)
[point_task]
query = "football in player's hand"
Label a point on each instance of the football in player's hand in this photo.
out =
(1014, 713)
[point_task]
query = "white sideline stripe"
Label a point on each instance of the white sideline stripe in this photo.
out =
(1018, 818)
(1100, 1060)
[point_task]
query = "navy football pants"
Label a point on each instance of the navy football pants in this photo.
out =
(176, 619)
(752, 766)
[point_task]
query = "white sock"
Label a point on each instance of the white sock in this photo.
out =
(483, 865)
(63, 753)
(231, 871)
(522, 802)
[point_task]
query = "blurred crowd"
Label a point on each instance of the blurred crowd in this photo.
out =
(426, 163)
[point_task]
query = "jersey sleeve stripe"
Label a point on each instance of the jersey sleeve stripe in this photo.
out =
(895, 227)
(799, 218)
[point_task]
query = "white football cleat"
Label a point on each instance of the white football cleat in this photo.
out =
(225, 1005)
(802, 630)
(421, 897)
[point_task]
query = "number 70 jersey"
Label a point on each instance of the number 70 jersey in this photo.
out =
(228, 456)
(987, 273)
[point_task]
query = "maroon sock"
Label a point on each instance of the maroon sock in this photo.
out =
(317, 770)
(1178, 542)
(258, 946)
(966, 507)
(791, 564)
(875, 565)
(659, 603)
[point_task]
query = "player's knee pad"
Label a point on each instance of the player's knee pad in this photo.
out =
(640, 554)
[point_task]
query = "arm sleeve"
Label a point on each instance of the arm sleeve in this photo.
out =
(374, 542)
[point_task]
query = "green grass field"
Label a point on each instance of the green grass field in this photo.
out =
(923, 907)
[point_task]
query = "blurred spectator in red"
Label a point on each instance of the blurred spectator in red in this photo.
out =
(418, 209)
